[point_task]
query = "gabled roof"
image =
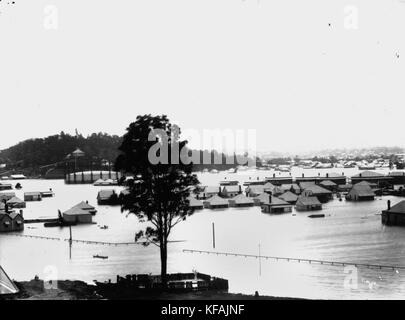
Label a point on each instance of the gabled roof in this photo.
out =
(241, 199)
(255, 189)
(308, 201)
(289, 197)
(76, 212)
(217, 200)
(268, 186)
(33, 193)
(362, 190)
(306, 184)
(211, 189)
(193, 202)
(231, 188)
(276, 202)
(368, 174)
(315, 189)
(15, 200)
(84, 206)
(262, 197)
(364, 183)
(106, 193)
(288, 186)
(398, 208)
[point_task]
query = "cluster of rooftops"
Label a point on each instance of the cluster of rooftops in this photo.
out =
(279, 194)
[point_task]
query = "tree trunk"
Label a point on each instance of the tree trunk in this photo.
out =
(163, 263)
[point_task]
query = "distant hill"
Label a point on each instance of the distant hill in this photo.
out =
(34, 156)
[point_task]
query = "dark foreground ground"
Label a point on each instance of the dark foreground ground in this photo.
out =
(78, 290)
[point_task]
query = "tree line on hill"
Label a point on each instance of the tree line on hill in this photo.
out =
(31, 155)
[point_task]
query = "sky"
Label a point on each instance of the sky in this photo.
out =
(305, 74)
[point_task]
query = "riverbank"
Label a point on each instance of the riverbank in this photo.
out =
(79, 290)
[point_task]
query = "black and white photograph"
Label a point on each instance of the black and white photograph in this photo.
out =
(188, 150)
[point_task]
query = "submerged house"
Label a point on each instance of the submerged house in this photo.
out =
(231, 191)
(16, 203)
(305, 203)
(294, 188)
(323, 195)
(79, 214)
(394, 216)
(6, 196)
(208, 192)
(107, 197)
(216, 202)
(7, 286)
(289, 197)
(275, 205)
(195, 203)
(360, 192)
(11, 221)
(241, 201)
(254, 190)
(328, 184)
(32, 196)
(260, 199)
(5, 186)
(373, 177)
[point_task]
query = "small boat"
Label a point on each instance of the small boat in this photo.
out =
(103, 227)
(97, 256)
(316, 216)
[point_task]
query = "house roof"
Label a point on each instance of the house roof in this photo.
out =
(398, 208)
(289, 196)
(84, 206)
(288, 186)
(328, 183)
(32, 193)
(315, 189)
(364, 183)
(7, 194)
(15, 200)
(211, 189)
(231, 188)
(255, 189)
(76, 212)
(368, 174)
(308, 201)
(217, 200)
(306, 184)
(276, 202)
(193, 202)
(241, 199)
(269, 186)
(262, 197)
(362, 190)
(106, 193)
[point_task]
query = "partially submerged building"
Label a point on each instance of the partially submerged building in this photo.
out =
(305, 203)
(11, 221)
(289, 197)
(77, 215)
(241, 201)
(231, 191)
(394, 216)
(275, 205)
(107, 197)
(360, 192)
(16, 203)
(195, 203)
(32, 196)
(216, 202)
(323, 195)
(373, 177)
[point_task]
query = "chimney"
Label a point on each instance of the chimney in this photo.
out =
(274, 175)
(303, 175)
(269, 197)
(389, 204)
(240, 189)
(327, 175)
(319, 174)
(343, 173)
(360, 175)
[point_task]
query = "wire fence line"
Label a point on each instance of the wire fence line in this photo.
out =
(305, 260)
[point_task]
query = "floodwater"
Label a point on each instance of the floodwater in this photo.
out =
(351, 232)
